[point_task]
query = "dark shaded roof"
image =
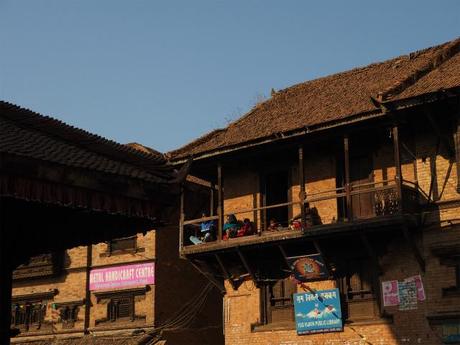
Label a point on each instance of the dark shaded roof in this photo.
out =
(28, 134)
(336, 98)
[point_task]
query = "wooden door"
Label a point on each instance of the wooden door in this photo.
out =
(361, 172)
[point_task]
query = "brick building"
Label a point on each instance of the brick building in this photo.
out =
(356, 172)
(90, 228)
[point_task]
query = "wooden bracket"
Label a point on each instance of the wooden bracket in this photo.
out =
(246, 266)
(411, 242)
(209, 276)
(225, 272)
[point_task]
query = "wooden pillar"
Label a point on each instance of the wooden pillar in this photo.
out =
(89, 264)
(181, 219)
(6, 273)
(211, 201)
(302, 194)
(220, 202)
(397, 161)
(346, 148)
(457, 146)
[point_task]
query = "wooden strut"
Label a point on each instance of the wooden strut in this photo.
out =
(209, 276)
(225, 272)
(247, 267)
(220, 203)
(437, 131)
(397, 161)
(411, 242)
(346, 148)
(303, 194)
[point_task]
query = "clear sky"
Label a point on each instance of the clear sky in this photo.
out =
(162, 73)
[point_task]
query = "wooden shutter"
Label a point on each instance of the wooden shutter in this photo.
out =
(280, 304)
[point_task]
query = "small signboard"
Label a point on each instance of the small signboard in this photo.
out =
(451, 333)
(319, 312)
(122, 276)
(308, 267)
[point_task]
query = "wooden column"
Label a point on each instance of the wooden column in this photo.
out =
(346, 156)
(6, 273)
(457, 146)
(211, 201)
(397, 161)
(220, 202)
(181, 219)
(89, 264)
(302, 194)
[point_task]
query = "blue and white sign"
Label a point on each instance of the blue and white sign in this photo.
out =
(319, 312)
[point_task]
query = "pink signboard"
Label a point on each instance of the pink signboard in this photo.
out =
(122, 276)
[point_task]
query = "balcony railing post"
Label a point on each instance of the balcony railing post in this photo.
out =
(397, 161)
(302, 194)
(220, 202)
(346, 147)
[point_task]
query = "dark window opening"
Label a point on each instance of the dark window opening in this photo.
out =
(276, 191)
(278, 306)
(121, 309)
(358, 295)
(28, 315)
(127, 244)
(452, 261)
(68, 315)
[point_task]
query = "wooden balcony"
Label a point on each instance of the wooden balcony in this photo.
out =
(364, 207)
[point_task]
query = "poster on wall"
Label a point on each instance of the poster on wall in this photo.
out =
(319, 312)
(308, 267)
(419, 284)
(390, 291)
(122, 276)
(407, 295)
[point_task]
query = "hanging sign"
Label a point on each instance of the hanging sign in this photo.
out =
(122, 276)
(308, 267)
(319, 312)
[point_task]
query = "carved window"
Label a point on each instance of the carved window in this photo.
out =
(68, 312)
(357, 288)
(120, 305)
(278, 303)
(28, 315)
(127, 244)
(121, 308)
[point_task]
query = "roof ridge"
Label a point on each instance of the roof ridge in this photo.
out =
(444, 54)
(63, 131)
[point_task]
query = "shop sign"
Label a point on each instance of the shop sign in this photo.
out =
(122, 276)
(451, 333)
(308, 267)
(318, 312)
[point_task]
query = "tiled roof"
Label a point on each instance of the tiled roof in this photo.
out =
(337, 98)
(28, 134)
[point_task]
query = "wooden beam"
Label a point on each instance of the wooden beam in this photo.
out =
(181, 219)
(225, 272)
(397, 162)
(437, 131)
(302, 194)
(346, 148)
(220, 202)
(208, 276)
(246, 266)
(283, 254)
(411, 242)
(457, 146)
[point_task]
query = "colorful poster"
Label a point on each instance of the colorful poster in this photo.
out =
(418, 282)
(319, 312)
(122, 276)
(308, 267)
(407, 295)
(390, 292)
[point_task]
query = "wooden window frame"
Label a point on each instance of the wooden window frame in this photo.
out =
(113, 299)
(269, 301)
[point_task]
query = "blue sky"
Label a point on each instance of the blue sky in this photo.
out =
(165, 72)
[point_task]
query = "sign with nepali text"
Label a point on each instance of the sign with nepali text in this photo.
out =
(319, 312)
(122, 276)
(308, 267)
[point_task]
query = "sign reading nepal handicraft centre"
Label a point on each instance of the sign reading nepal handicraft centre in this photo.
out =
(122, 276)
(318, 312)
